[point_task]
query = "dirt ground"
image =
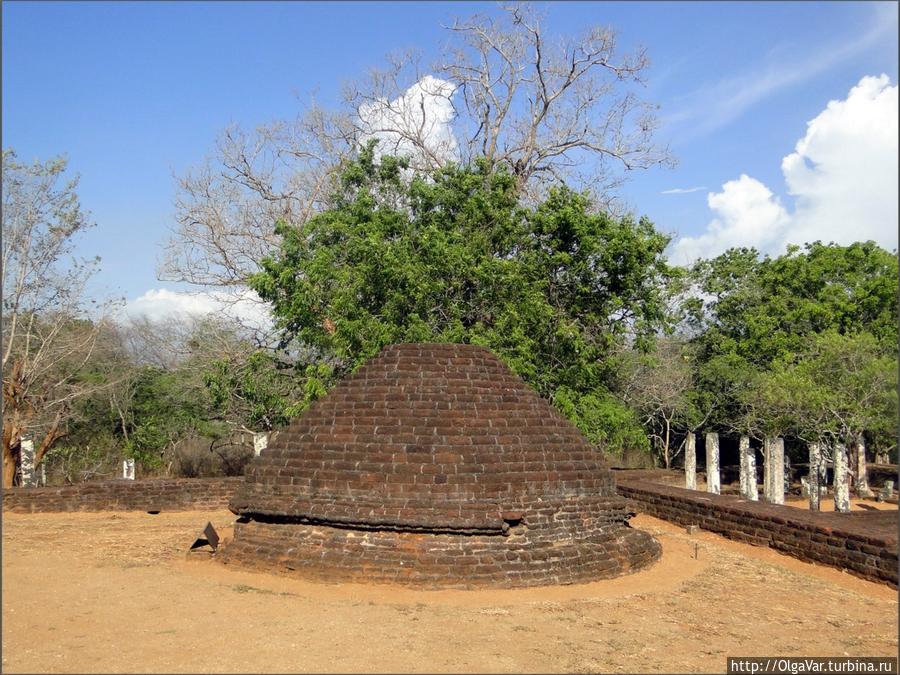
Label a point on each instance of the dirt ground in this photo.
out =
(827, 504)
(116, 592)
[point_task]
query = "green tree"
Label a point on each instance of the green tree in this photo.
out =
(255, 391)
(221, 387)
(454, 257)
(764, 308)
(750, 313)
(837, 387)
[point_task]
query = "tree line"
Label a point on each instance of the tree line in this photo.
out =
(363, 227)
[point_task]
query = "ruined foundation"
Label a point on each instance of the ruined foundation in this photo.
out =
(435, 466)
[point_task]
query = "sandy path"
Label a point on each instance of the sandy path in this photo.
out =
(114, 593)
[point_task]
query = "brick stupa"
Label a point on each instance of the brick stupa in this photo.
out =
(434, 465)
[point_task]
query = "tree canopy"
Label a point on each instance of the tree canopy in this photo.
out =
(454, 256)
(763, 308)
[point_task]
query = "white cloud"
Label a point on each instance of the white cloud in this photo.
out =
(747, 214)
(843, 175)
(158, 304)
(414, 124)
(844, 172)
(682, 191)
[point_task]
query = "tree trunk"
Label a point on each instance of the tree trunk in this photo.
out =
(841, 479)
(9, 467)
(53, 435)
(713, 483)
(666, 457)
(690, 461)
(10, 453)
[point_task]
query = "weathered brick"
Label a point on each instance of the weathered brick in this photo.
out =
(181, 494)
(864, 543)
(406, 470)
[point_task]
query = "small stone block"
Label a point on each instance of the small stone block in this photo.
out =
(691, 529)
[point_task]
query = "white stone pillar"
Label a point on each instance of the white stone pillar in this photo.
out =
(713, 483)
(43, 475)
(690, 461)
(778, 466)
(748, 470)
(815, 461)
(128, 469)
(773, 489)
(260, 442)
(26, 454)
(841, 479)
(862, 478)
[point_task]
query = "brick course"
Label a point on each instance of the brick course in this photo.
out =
(435, 465)
(862, 543)
(181, 494)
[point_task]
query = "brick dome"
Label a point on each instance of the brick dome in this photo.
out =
(435, 465)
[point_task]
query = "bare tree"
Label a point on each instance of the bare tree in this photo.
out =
(227, 208)
(545, 107)
(49, 337)
(658, 385)
(502, 90)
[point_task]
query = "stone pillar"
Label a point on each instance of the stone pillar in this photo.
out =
(43, 475)
(748, 470)
(128, 469)
(713, 484)
(778, 474)
(841, 479)
(690, 461)
(862, 478)
(814, 478)
(774, 470)
(260, 442)
(26, 454)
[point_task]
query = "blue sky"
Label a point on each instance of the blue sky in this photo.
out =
(135, 92)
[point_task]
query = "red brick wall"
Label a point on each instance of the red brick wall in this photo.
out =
(862, 543)
(435, 465)
(597, 547)
(431, 436)
(181, 494)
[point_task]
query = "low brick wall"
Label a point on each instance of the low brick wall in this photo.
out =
(862, 543)
(180, 494)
